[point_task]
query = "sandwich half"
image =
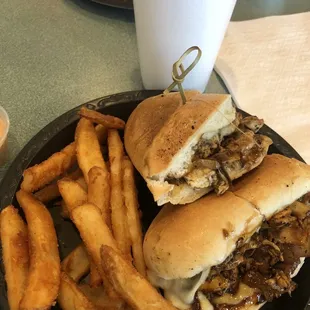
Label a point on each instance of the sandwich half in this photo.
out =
(186, 151)
(236, 251)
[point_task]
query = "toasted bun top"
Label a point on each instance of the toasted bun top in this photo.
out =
(161, 129)
(275, 184)
(185, 240)
(145, 122)
(173, 145)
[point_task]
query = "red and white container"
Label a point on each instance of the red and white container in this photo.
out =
(4, 130)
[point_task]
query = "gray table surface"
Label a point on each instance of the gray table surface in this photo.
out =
(57, 54)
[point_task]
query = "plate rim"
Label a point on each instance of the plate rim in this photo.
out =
(128, 6)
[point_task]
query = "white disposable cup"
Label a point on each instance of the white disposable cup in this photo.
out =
(167, 28)
(4, 130)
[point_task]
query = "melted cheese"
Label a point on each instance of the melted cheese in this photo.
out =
(244, 291)
(204, 302)
(180, 292)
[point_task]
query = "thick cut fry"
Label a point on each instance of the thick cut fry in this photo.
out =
(95, 278)
(81, 181)
(44, 270)
(110, 122)
(98, 297)
(47, 193)
(14, 239)
(71, 297)
(118, 209)
(99, 195)
(39, 175)
(64, 210)
(88, 148)
(94, 232)
(51, 191)
(72, 188)
(102, 133)
(72, 193)
(44, 173)
(99, 191)
(133, 218)
(130, 285)
(76, 264)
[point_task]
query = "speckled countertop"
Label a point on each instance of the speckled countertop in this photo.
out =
(57, 54)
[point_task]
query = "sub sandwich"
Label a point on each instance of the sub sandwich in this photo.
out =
(236, 251)
(186, 151)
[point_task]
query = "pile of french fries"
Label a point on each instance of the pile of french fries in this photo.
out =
(107, 270)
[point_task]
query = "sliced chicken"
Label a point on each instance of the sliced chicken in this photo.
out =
(252, 122)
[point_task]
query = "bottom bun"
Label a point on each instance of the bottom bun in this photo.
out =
(164, 192)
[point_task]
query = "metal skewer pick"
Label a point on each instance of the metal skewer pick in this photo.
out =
(179, 78)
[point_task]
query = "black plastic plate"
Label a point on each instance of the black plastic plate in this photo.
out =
(122, 4)
(60, 132)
